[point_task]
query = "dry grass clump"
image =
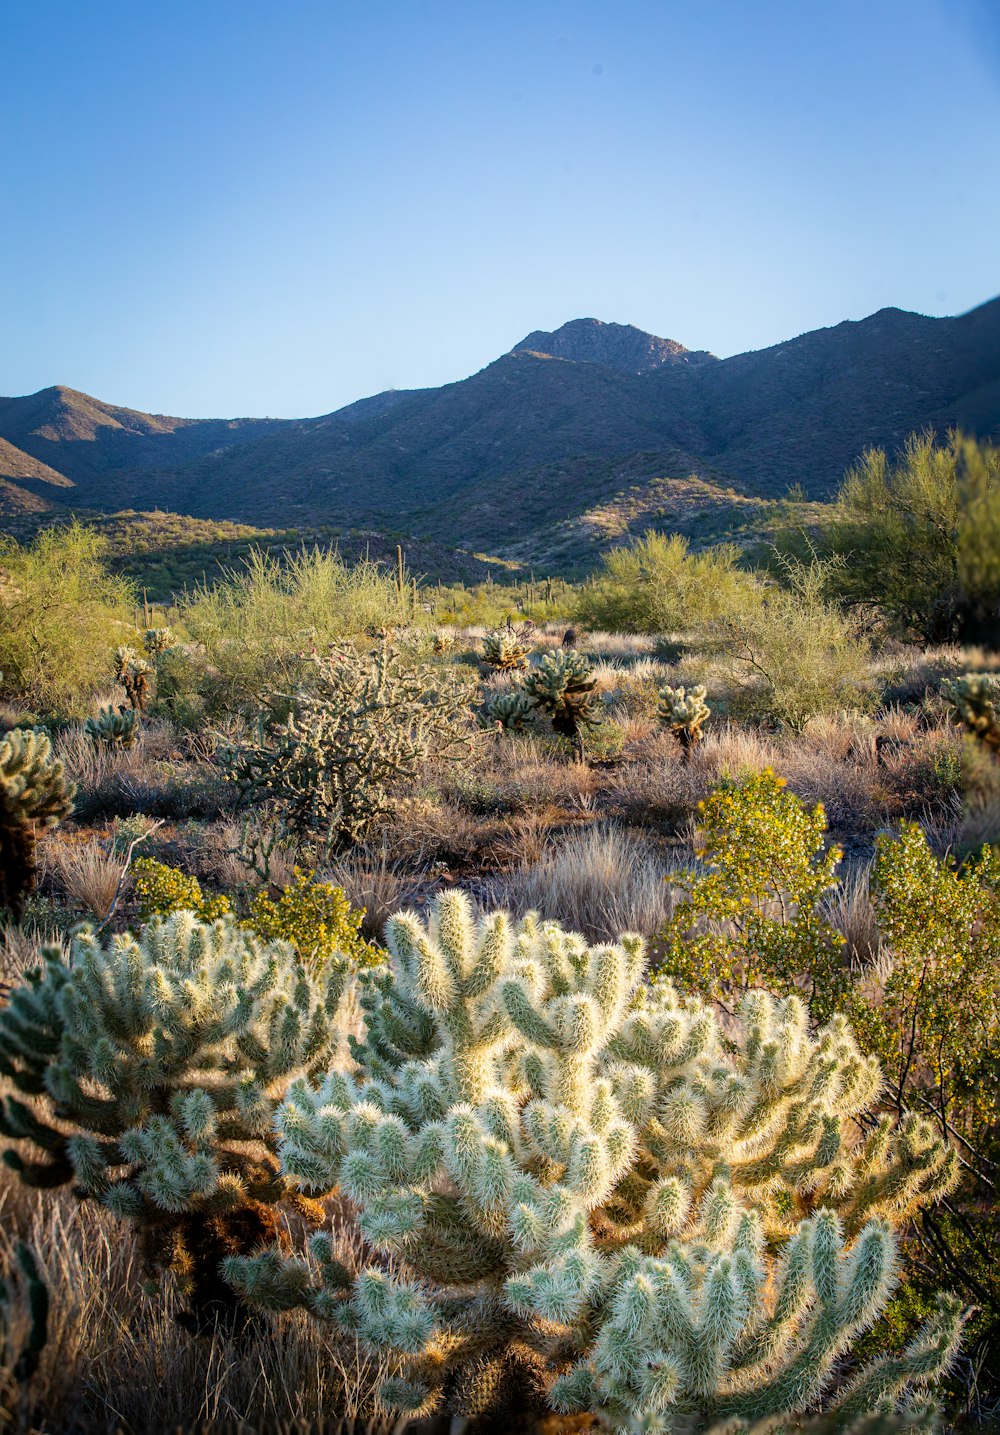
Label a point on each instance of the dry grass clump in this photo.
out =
(850, 910)
(86, 872)
(376, 880)
(117, 1361)
(599, 881)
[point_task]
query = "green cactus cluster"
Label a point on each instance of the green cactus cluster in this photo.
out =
(364, 722)
(132, 672)
(975, 700)
(685, 712)
(114, 727)
(146, 1071)
(591, 1195)
(24, 1322)
(506, 648)
(34, 794)
(511, 711)
(563, 687)
(157, 640)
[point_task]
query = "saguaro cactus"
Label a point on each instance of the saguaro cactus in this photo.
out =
(154, 1065)
(34, 793)
(589, 1189)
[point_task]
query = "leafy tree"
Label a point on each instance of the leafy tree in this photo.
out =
(920, 536)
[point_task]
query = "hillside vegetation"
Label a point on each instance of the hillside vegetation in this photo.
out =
(543, 1006)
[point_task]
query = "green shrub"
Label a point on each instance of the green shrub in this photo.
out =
(585, 1193)
(61, 615)
(153, 1066)
(921, 536)
(316, 918)
(365, 722)
(255, 623)
(794, 653)
(162, 891)
(658, 585)
(754, 916)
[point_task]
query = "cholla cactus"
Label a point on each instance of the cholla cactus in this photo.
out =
(685, 712)
(34, 793)
(157, 640)
(132, 671)
(366, 722)
(114, 727)
(563, 687)
(153, 1066)
(506, 648)
(24, 1317)
(512, 710)
(588, 1189)
(976, 703)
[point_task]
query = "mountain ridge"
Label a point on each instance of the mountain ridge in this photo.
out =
(533, 439)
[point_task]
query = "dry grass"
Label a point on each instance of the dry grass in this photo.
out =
(600, 881)
(117, 1361)
(86, 873)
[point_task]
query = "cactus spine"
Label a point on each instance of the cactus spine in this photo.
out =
(34, 793)
(589, 1189)
(153, 1066)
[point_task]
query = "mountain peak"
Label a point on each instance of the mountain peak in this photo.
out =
(616, 346)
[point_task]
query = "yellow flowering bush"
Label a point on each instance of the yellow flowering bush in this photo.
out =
(753, 916)
(163, 890)
(316, 918)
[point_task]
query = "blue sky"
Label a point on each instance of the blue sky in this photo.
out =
(224, 207)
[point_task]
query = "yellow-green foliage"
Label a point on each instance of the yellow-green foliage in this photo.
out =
(752, 917)
(316, 918)
(61, 615)
(659, 586)
(253, 623)
(934, 1017)
(163, 890)
(922, 534)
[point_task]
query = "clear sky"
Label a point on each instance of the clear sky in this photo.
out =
(227, 207)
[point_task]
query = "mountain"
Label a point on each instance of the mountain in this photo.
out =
(616, 346)
(567, 427)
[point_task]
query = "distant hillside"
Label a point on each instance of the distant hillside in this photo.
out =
(588, 419)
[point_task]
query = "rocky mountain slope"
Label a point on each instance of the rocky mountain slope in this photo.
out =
(567, 423)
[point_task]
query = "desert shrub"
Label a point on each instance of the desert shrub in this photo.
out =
(316, 918)
(162, 891)
(921, 536)
(658, 585)
(153, 1066)
(795, 653)
(254, 623)
(365, 723)
(592, 1192)
(754, 915)
(61, 614)
(34, 795)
